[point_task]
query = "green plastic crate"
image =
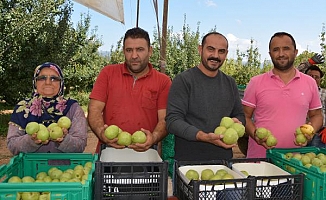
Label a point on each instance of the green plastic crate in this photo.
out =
(314, 180)
(29, 164)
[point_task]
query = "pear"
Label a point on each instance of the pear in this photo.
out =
(206, 174)
(56, 132)
(111, 132)
(271, 141)
(124, 138)
(220, 130)
(239, 128)
(307, 129)
(138, 137)
(230, 136)
(192, 174)
(261, 132)
(226, 122)
(31, 128)
(43, 134)
(64, 122)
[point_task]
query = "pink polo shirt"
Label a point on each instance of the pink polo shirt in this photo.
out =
(280, 107)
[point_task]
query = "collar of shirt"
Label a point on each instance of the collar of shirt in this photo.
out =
(125, 70)
(297, 74)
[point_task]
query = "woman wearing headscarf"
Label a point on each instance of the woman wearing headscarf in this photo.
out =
(46, 106)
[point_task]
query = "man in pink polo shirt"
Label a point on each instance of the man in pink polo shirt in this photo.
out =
(132, 95)
(280, 99)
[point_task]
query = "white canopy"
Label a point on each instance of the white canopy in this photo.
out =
(110, 8)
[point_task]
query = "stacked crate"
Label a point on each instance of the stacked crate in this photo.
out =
(127, 174)
(266, 181)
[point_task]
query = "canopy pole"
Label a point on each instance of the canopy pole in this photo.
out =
(164, 33)
(137, 13)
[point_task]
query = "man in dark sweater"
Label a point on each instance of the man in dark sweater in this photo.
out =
(198, 99)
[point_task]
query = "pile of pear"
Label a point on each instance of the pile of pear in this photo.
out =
(208, 174)
(302, 132)
(307, 160)
(124, 138)
(53, 131)
(78, 173)
(264, 133)
(230, 130)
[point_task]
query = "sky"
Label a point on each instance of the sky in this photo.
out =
(239, 20)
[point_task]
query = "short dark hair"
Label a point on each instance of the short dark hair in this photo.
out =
(214, 33)
(137, 33)
(316, 68)
(280, 34)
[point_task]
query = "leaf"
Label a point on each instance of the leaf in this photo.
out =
(20, 109)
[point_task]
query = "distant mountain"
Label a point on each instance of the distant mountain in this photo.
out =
(104, 53)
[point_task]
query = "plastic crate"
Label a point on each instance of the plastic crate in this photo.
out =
(270, 180)
(131, 180)
(233, 189)
(30, 164)
(314, 181)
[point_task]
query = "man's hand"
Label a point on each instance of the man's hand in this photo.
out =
(301, 144)
(37, 141)
(316, 59)
(213, 139)
(262, 142)
(112, 143)
(144, 146)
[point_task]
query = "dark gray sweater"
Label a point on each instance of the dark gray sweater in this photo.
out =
(198, 102)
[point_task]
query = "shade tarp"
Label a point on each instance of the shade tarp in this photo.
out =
(109, 8)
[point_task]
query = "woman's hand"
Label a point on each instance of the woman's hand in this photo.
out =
(37, 141)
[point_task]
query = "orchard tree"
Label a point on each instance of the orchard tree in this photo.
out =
(323, 52)
(34, 32)
(181, 50)
(85, 61)
(116, 55)
(182, 54)
(23, 27)
(246, 65)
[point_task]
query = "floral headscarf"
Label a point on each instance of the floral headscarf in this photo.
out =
(54, 67)
(40, 109)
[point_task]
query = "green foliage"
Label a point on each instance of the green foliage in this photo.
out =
(116, 55)
(245, 66)
(34, 32)
(323, 51)
(24, 27)
(4, 118)
(182, 50)
(182, 54)
(81, 97)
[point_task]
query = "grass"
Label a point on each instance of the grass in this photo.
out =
(4, 118)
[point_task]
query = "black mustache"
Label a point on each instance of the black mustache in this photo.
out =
(215, 59)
